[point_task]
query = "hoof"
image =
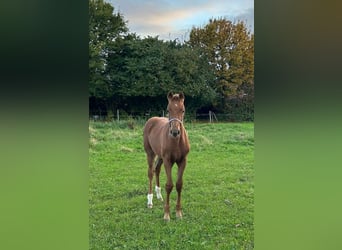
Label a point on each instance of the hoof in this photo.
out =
(179, 215)
(149, 205)
(166, 217)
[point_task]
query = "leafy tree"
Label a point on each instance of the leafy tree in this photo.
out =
(104, 28)
(125, 71)
(150, 67)
(190, 73)
(229, 48)
(136, 66)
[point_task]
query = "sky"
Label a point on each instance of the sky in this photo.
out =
(174, 19)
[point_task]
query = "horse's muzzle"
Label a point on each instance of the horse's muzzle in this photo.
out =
(175, 133)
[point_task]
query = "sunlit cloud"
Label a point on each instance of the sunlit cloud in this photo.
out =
(174, 19)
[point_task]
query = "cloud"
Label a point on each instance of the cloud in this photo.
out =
(246, 16)
(172, 19)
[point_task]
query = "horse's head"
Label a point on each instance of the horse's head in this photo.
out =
(176, 112)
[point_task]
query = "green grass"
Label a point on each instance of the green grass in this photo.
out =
(217, 195)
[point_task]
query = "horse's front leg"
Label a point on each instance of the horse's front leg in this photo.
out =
(168, 188)
(179, 185)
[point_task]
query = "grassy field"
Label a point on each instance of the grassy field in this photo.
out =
(217, 197)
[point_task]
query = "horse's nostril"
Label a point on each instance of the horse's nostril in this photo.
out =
(175, 133)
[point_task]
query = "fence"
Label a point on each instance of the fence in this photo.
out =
(198, 117)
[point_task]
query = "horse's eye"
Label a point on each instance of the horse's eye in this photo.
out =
(183, 111)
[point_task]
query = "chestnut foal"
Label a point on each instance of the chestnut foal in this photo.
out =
(166, 140)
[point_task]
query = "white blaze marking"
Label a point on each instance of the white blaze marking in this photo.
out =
(176, 105)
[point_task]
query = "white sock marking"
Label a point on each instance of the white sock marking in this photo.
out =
(158, 192)
(149, 200)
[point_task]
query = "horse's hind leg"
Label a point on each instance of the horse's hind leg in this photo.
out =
(150, 170)
(158, 164)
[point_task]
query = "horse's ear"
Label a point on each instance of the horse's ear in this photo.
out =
(169, 95)
(181, 96)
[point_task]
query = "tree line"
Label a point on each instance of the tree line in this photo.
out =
(214, 69)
